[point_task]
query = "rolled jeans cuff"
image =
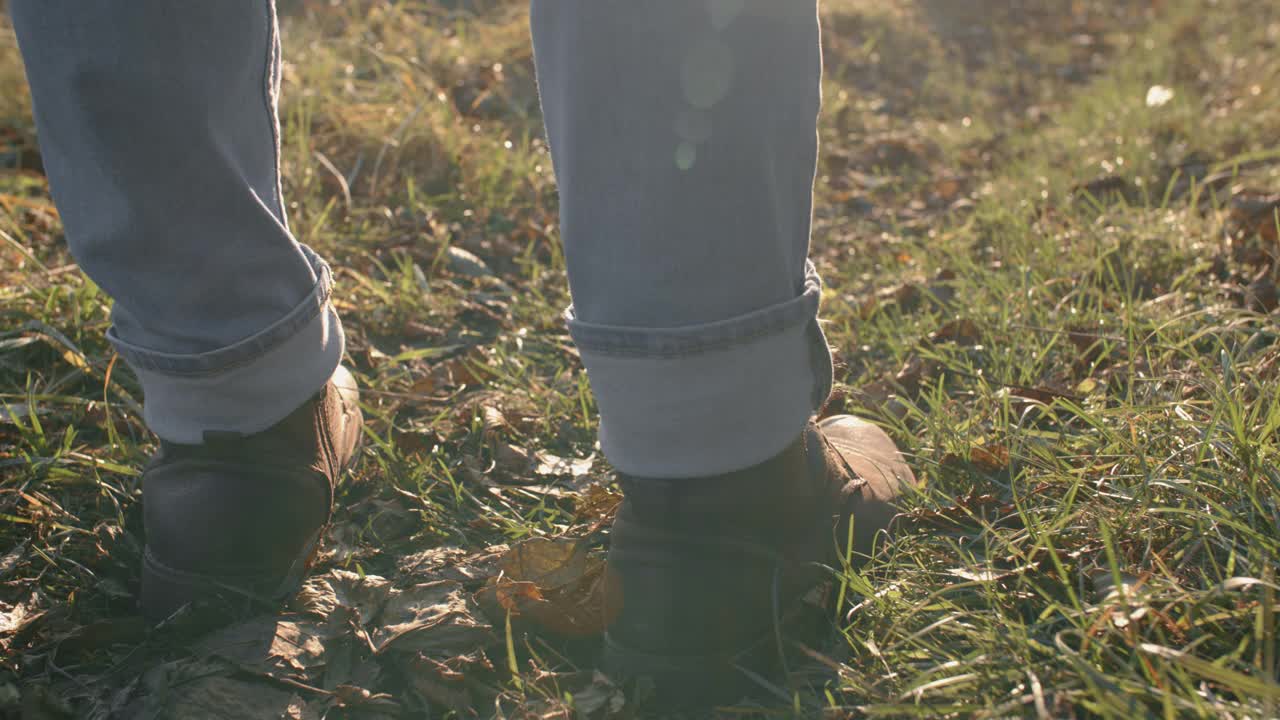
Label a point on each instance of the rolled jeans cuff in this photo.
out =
(707, 399)
(246, 387)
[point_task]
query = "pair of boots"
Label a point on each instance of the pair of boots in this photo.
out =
(707, 568)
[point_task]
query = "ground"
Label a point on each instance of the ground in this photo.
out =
(1049, 234)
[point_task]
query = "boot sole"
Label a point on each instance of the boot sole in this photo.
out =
(165, 590)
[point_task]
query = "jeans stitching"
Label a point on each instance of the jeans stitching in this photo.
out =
(669, 343)
(618, 347)
(270, 98)
(241, 353)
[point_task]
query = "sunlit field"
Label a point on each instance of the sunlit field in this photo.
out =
(1049, 232)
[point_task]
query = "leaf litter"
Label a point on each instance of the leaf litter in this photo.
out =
(407, 612)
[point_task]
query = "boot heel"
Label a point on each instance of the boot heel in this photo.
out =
(165, 590)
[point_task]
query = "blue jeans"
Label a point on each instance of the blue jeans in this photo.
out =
(684, 143)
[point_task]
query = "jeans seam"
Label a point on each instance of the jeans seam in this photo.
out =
(238, 354)
(270, 98)
(695, 347)
(670, 343)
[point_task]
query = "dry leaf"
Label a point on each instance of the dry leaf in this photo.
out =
(549, 465)
(323, 594)
(597, 504)
(983, 575)
(573, 591)
(464, 262)
(471, 568)
(358, 698)
(438, 618)
(906, 296)
(512, 458)
(512, 594)
(14, 617)
(947, 188)
(203, 691)
(493, 421)
(993, 458)
(1261, 295)
(1255, 213)
(446, 682)
(266, 643)
(961, 331)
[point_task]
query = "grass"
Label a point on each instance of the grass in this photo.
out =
(1056, 297)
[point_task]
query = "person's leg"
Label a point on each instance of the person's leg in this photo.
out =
(157, 123)
(683, 134)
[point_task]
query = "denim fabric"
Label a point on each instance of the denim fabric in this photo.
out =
(683, 134)
(159, 135)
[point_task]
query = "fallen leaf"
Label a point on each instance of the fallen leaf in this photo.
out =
(446, 682)
(893, 153)
(982, 575)
(354, 697)
(343, 545)
(583, 694)
(600, 695)
(100, 635)
(915, 371)
(413, 440)
(517, 465)
(905, 296)
(947, 188)
(574, 594)
(550, 465)
(514, 460)
(493, 421)
(267, 643)
(16, 617)
(388, 519)
(597, 504)
(467, 368)
(348, 658)
(471, 568)
(437, 618)
(1105, 588)
(1261, 295)
(323, 594)
(961, 331)
(992, 458)
(1255, 213)
(512, 594)
(464, 262)
(553, 564)
(203, 690)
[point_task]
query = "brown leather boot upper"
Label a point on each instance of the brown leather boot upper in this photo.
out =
(705, 567)
(242, 515)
